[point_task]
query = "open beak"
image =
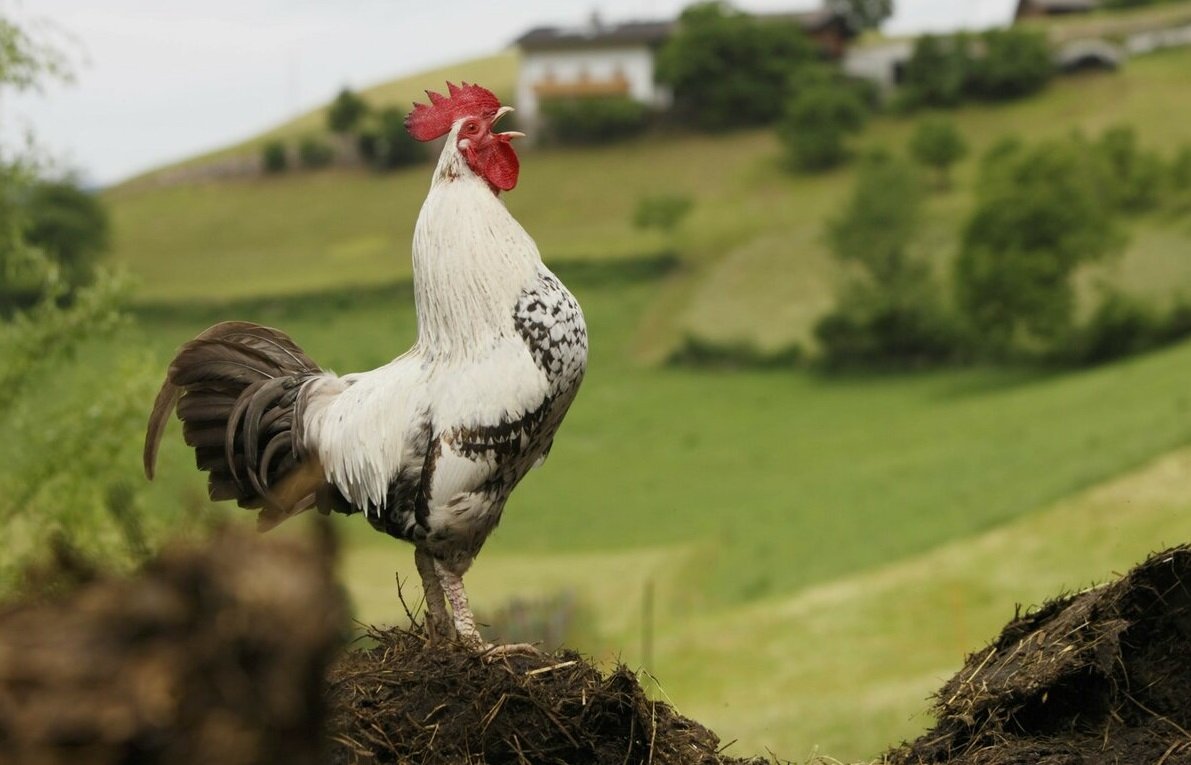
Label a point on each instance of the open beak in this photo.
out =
(502, 111)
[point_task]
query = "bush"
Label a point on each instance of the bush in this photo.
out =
(817, 120)
(938, 144)
(1039, 215)
(936, 72)
(1016, 63)
(346, 112)
(1180, 180)
(594, 120)
(70, 226)
(274, 158)
(889, 313)
(385, 144)
(701, 353)
(663, 211)
(869, 333)
(314, 153)
(729, 69)
(1121, 326)
(1134, 181)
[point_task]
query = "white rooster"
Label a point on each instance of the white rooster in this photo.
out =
(430, 445)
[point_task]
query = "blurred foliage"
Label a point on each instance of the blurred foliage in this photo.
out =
(936, 72)
(1123, 325)
(385, 144)
(27, 61)
(888, 313)
(817, 120)
(937, 143)
(1180, 180)
(70, 226)
(702, 353)
(1040, 214)
(315, 153)
(1135, 180)
(1013, 63)
(346, 112)
(580, 121)
(998, 64)
(274, 158)
(664, 212)
(71, 422)
(730, 69)
(862, 14)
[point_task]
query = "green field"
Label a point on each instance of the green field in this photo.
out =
(824, 549)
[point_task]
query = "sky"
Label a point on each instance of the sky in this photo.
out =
(160, 80)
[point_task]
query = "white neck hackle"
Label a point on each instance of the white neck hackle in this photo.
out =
(471, 261)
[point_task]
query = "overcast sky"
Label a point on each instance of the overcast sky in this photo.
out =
(158, 80)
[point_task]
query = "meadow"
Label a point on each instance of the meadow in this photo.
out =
(824, 549)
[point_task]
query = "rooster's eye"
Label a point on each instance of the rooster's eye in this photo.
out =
(470, 127)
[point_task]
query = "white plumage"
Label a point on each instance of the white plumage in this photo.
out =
(430, 445)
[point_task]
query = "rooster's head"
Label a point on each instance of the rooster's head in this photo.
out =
(469, 114)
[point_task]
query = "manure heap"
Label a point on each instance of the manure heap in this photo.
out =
(1103, 676)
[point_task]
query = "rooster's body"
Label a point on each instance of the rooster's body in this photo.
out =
(430, 445)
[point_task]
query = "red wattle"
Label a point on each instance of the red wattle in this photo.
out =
(499, 164)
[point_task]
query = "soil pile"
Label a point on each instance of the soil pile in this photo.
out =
(1099, 677)
(402, 702)
(209, 655)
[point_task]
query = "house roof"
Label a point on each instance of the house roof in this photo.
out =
(597, 34)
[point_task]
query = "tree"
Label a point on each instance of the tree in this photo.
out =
(862, 14)
(729, 69)
(1016, 62)
(386, 144)
(936, 72)
(937, 143)
(70, 226)
(1134, 176)
(1039, 216)
(274, 158)
(346, 112)
(315, 153)
(888, 312)
(817, 120)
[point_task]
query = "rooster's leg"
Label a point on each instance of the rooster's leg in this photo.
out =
(437, 623)
(465, 621)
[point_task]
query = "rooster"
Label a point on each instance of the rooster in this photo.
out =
(429, 446)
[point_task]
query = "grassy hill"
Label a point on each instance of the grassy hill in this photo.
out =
(752, 220)
(824, 550)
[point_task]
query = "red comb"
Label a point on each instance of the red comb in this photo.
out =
(426, 123)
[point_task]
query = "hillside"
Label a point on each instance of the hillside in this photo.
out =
(752, 220)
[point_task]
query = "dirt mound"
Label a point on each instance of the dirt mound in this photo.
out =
(402, 702)
(215, 654)
(1099, 677)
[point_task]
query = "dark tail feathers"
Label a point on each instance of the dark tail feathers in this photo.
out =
(238, 389)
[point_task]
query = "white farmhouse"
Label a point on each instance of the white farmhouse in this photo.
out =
(594, 60)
